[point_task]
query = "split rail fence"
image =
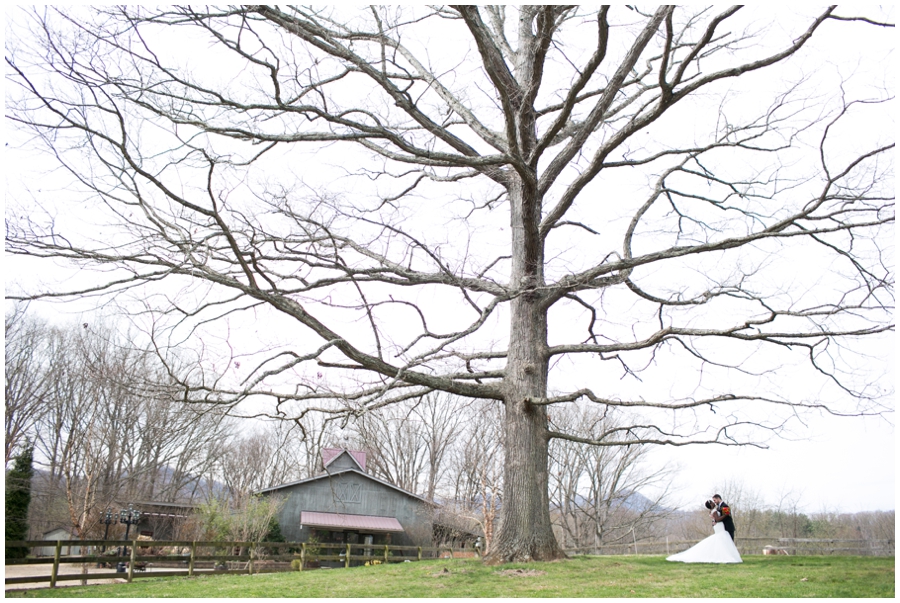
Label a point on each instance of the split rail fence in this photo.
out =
(198, 558)
(204, 558)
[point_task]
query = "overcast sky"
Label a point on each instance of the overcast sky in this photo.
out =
(847, 464)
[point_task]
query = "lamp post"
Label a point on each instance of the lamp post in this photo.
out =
(129, 518)
(108, 518)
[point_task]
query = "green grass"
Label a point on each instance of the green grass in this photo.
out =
(650, 576)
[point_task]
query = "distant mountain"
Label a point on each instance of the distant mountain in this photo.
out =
(632, 501)
(195, 488)
(635, 501)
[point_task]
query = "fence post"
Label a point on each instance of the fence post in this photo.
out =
(347, 559)
(131, 562)
(385, 554)
(55, 571)
(250, 565)
(302, 555)
(191, 561)
(419, 554)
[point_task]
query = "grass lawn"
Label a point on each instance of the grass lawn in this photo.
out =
(639, 576)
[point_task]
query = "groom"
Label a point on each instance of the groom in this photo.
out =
(724, 515)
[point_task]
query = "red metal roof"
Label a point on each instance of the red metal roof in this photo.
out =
(329, 454)
(343, 521)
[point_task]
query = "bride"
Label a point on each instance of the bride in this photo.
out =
(718, 548)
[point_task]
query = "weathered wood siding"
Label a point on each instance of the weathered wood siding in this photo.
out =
(353, 493)
(343, 461)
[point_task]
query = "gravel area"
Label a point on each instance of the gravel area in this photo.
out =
(15, 571)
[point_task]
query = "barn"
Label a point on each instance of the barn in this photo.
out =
(346, 505)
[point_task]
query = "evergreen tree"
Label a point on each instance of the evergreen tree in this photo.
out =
(274, 534)
(18, 497)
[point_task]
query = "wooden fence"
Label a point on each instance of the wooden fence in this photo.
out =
(750, 546)
(196, 558)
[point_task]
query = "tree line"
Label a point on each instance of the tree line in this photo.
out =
(106, 425)
(104, 420)
(783, 517)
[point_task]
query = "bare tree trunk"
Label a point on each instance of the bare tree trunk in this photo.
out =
(525, 531)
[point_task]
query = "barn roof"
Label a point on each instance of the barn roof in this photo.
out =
(330, 454)
(341, 472)
(346, 521)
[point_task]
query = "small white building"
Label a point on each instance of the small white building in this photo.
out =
(59, 534)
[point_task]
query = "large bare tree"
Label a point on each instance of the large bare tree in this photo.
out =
(400, 201)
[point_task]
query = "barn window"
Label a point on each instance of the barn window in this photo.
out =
(346, 492)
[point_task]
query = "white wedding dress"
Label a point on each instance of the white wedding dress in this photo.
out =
(718, 548)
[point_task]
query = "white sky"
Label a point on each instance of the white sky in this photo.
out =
(837, 464)
(847, 464)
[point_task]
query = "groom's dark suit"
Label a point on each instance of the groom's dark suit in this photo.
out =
(725, 512)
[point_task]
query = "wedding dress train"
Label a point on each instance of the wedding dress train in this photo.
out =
(718, 548)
